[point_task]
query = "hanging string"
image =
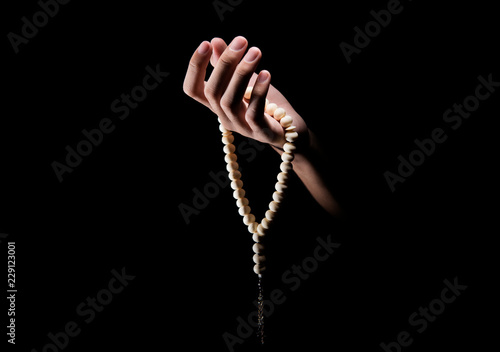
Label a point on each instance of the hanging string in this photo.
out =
(260, 312)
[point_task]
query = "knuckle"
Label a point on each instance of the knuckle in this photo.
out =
(242, 74)
(211, 92)
(225, 61)
(258, 92)
(193, 66)
(188, 90)
(228, 102)
(251, 113)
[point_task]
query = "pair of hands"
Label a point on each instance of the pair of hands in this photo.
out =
(223, 92)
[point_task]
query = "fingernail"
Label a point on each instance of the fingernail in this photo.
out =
(237, 44)
(203, 48)
(252, 55)
(263, 76)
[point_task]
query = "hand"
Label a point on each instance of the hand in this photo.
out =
(223, 92)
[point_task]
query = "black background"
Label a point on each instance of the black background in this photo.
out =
(120, 207)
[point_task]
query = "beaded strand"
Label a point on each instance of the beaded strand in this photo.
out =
(258, 229)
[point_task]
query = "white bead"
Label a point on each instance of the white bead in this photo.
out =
(261, 230)
(270, 215)
(278, 196)
(282, 177)
(285, 166)
(279, 113)
(228, 139)
(274, 206)
(280, 187)
(286, 121)
(234, 175)
(248, 219)
(223, 129)
(252, 228)
(241, 202)
(248, 93)
(244, 210)
(230, 157)
(259, 259)
(291, 128)
(259, 269)
(291, 136)
(271, 108)
(289, 147)
(237, 184)
(229, 148)
(257, 238)
(265, 223)
(232, 166)
(239, 193)
(258, 248)
(267, 102)
(287, 156)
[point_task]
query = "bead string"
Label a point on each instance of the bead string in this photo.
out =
(260, 311)
(258, 230)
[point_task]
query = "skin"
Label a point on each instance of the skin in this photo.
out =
(234, 70)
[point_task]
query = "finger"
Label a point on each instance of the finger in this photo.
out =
(232, 100)
(255, 112)
(194, 82)
(222, 73)
(219, 46)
